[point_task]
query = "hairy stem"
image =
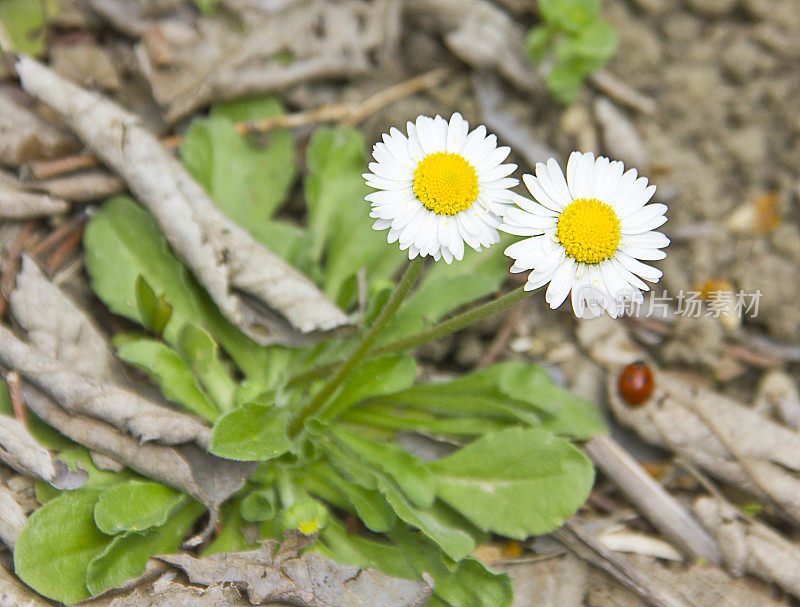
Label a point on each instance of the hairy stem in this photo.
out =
(456, 323)
(319, 402)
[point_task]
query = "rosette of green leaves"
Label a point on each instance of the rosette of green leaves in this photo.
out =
(516, 471)
(572, 42)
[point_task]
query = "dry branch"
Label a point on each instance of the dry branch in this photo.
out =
(651, 500)
(490, 97)
(586, 547)
(242, 277)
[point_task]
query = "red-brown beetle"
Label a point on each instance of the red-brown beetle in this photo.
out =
(636, 383)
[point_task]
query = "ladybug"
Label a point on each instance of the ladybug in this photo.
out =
(636, 383)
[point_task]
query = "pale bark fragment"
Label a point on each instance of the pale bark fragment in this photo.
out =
(270, 574)
(17, 203)
(20, 451)
(59, 328)
(12, 518)
(209, 479)
(82, 394)
(241, 276)
(749, 546)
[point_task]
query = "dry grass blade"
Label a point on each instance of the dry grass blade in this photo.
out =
(588, 548)
(246, 280)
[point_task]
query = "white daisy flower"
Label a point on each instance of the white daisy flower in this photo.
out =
(440, 186)
(588, 233)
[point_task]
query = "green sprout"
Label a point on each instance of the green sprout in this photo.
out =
(573, 42)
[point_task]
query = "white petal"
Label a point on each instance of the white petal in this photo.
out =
(635, 266)
(536, 190)
(456, 133)
(561, 283)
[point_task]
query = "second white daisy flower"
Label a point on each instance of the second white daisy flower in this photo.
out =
(588, 233)
(440, 187)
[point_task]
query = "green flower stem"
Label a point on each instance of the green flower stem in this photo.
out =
(317, 405)
(458, 322)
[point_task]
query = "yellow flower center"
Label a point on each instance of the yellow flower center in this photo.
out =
(446, 183)
(589, 230)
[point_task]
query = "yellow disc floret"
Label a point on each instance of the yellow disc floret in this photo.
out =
(589, 230)
(446, 183)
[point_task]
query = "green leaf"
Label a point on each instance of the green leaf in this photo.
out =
(126, 556)
(247, 181)
(565, 413)
(370, 506)
(207, 7)
(516, 482)
(539, 38)
(153, 310)
(58, 543)
(464, 584)
(168, 370)
(196, 346)
(135, 506)
(476, 394)
(363, 552)
(6, 407)
(389, 417)
(434, 522)
(252, 432)
(411, 475)
(230, 538)
(509, 392)
(565, 81)
(376, 377)
(24, 22)
(338, 216)
(259, 505)
(569, 15)
(123, 242)
(598, 42)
